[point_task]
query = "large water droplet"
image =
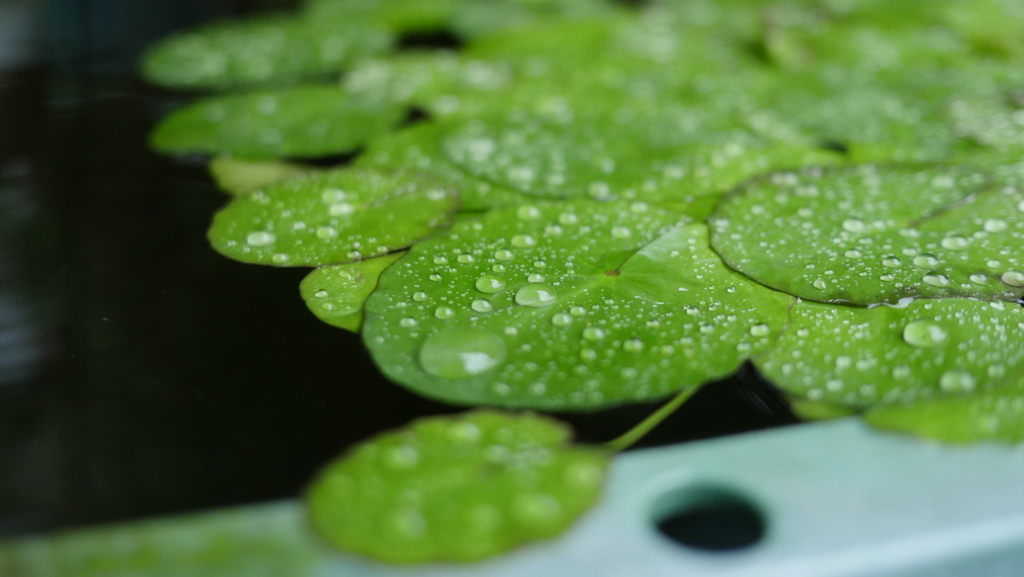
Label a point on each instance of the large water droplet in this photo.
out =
(955, 243)
(527, 212)
(504, 254)
(593, 333)
(1013, 278)
(891, 262)
(536, 295)
(444, 313)
(936, 280)
(523, 241)
(854, 225)
(482, 306)
(760, 330)
(490, 284)
(621, 232)
(419, 296)
(261, 238)
(978, 278)
(957, 381)
(461, 352)
(561, 320)
(926, 261)
(924, 334)
(995, 225)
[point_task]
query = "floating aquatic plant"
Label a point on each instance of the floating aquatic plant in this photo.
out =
(538, 240)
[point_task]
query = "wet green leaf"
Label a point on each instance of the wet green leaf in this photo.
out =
(259, 51)
(419, 148)
(332, 217)
(336, 294)
(237, 176)
(617, 156)
(859, 357)
(304, 121)
(869, 235)
(996, 415)
(572, 305)
(457, 488)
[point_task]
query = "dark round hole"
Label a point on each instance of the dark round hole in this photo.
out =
(709, 519)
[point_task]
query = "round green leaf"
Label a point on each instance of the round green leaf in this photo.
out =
(336, 294)
(237, 176)
(869, 235)
(996, 415)
(261, 50)
(419, 148)
(572, 305)
(332, 217)
(457, 488)
(859, 357)
(302, 121)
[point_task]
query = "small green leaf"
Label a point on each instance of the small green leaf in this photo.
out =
(419, 148)
(859, 357)
(869, 235)
(332, 217)
(996, 415)
(260, 51)
(459, 488)
(236, 176)
(302, 121)
(336, 294)
(572, 305)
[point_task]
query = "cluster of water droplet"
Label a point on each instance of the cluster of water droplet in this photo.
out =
(918, 350)
(869, 235)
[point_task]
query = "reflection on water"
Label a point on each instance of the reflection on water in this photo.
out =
(20, 315)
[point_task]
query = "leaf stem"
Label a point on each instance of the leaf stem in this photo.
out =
(636, 433)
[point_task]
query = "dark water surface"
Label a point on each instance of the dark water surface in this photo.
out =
(140, 372)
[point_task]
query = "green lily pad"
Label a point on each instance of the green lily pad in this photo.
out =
(996, 415)
(332, 217)
(302, 121)
(336, 294)
(573, 305)
(458, 488)
(871, 235)
(858, 357)
(419, 148)
(259, 51)
(237, 176)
